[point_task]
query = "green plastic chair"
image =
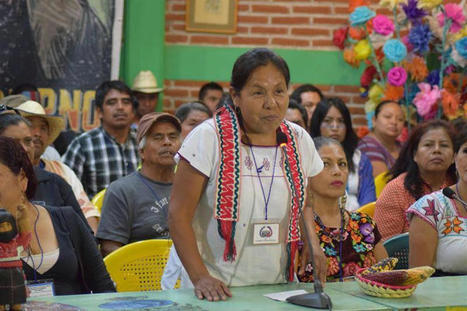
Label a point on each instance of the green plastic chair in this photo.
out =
(398, 246)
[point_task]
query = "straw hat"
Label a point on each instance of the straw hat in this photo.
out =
(145, 82)
(34, 109)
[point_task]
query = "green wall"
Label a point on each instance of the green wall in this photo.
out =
(143, 39)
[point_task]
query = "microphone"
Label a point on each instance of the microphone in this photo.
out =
(318, 299)
(452, 195)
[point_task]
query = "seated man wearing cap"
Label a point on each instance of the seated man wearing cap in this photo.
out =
(135, 206)
(45, 129)
(146, 91)
(110, 151)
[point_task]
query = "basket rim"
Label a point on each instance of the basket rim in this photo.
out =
(359, 276)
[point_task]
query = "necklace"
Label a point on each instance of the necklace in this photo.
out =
(461, 201)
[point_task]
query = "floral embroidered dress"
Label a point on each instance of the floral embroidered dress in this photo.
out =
(442, 214)
(359, 238)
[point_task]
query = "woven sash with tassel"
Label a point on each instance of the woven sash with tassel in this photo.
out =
(228, 184)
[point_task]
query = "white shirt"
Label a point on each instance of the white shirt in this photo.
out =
(254, 264)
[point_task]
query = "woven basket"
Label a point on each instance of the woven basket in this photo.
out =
(377, 289)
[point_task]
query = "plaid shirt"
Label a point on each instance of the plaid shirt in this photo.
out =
(98, 159)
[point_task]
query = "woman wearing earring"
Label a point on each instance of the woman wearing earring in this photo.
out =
(350, 240)
(438, 224)
(331, 118)
(240, 183)
(61, 248)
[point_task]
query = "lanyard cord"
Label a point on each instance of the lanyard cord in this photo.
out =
(266, 200)
(40, 247)
(142, 178)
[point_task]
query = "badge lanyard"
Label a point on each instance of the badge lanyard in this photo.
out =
(266, 200)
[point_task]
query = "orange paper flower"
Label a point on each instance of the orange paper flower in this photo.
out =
(392, 92)
(356, 3)
(357, 33)
(362, 131)
(349, 57)
(450, 103)
(416, 67)
(451, 82)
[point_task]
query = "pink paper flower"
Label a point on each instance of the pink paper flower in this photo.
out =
(426, 98)
(454, 12)
(383, 25)
(397, 76)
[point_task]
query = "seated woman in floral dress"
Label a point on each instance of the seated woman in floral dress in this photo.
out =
(350, 240)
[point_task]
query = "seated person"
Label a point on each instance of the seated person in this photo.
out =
(210, 94)
(44, 129)
(350, 240)
(135, 206)
(297, 114)
(192, 114)
(331, 118)
(438, 224)
(51, 188)
(61, 246)
(424, 166)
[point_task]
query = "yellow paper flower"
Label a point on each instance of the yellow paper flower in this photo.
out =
(376, 93)
(370, 106)
(362, 50)
(428, 4)
(391, 3)
(460, 34)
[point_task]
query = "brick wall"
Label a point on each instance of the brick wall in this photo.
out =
(297, 24)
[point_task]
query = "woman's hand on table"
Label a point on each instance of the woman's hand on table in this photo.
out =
(318, 259)
(212, 289)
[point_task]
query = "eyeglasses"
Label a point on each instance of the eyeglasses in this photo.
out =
(7, 109)
(333, 123)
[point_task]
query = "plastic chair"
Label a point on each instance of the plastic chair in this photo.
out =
(98, 200)
(380, 181)
(138, 266)
(398, 246)
(368, 209)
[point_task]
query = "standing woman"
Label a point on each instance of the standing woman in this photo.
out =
(438, 224)
(381, 145)
(331, 118)
(231, 209)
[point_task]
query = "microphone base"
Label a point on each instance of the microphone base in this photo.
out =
(312, 300)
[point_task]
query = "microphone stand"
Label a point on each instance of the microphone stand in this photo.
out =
(318, 299)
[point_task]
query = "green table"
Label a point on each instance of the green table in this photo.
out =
(434, 294)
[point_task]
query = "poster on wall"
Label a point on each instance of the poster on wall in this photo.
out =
(64, 48)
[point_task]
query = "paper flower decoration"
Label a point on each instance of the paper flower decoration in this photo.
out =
(416, 67)
(412, 12)
(349, 57)
(375, 93)
(383, 25)
(454, 12)
(392, 92)
(361, 15)
(395, 50)
(428, 4)
(391, 3)
(397, 76)
(426, 98)
(419, 37)
(450, 104)
(367, 76)
(339, 36)
(461, 47)
(362, 50)
(433, 77)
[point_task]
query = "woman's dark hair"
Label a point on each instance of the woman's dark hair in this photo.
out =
(461, 138)
(382, 104)
(249, 61)
(184, 110)
(13, 156)
(9, 119)
(405, 163)
(351, 139)
(294, 105)
(106, 86)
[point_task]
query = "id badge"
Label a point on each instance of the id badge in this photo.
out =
(41, 288)
(265, 233)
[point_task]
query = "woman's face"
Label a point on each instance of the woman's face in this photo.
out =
(194, 118)
(12, 189)
(434, 152)
(460, 159)
(390, 120)
(263, 100)
(332, 180)
(333, 125)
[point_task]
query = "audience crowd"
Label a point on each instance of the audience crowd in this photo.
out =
(167, 176)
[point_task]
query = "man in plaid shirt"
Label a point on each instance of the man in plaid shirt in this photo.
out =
(110, 151)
